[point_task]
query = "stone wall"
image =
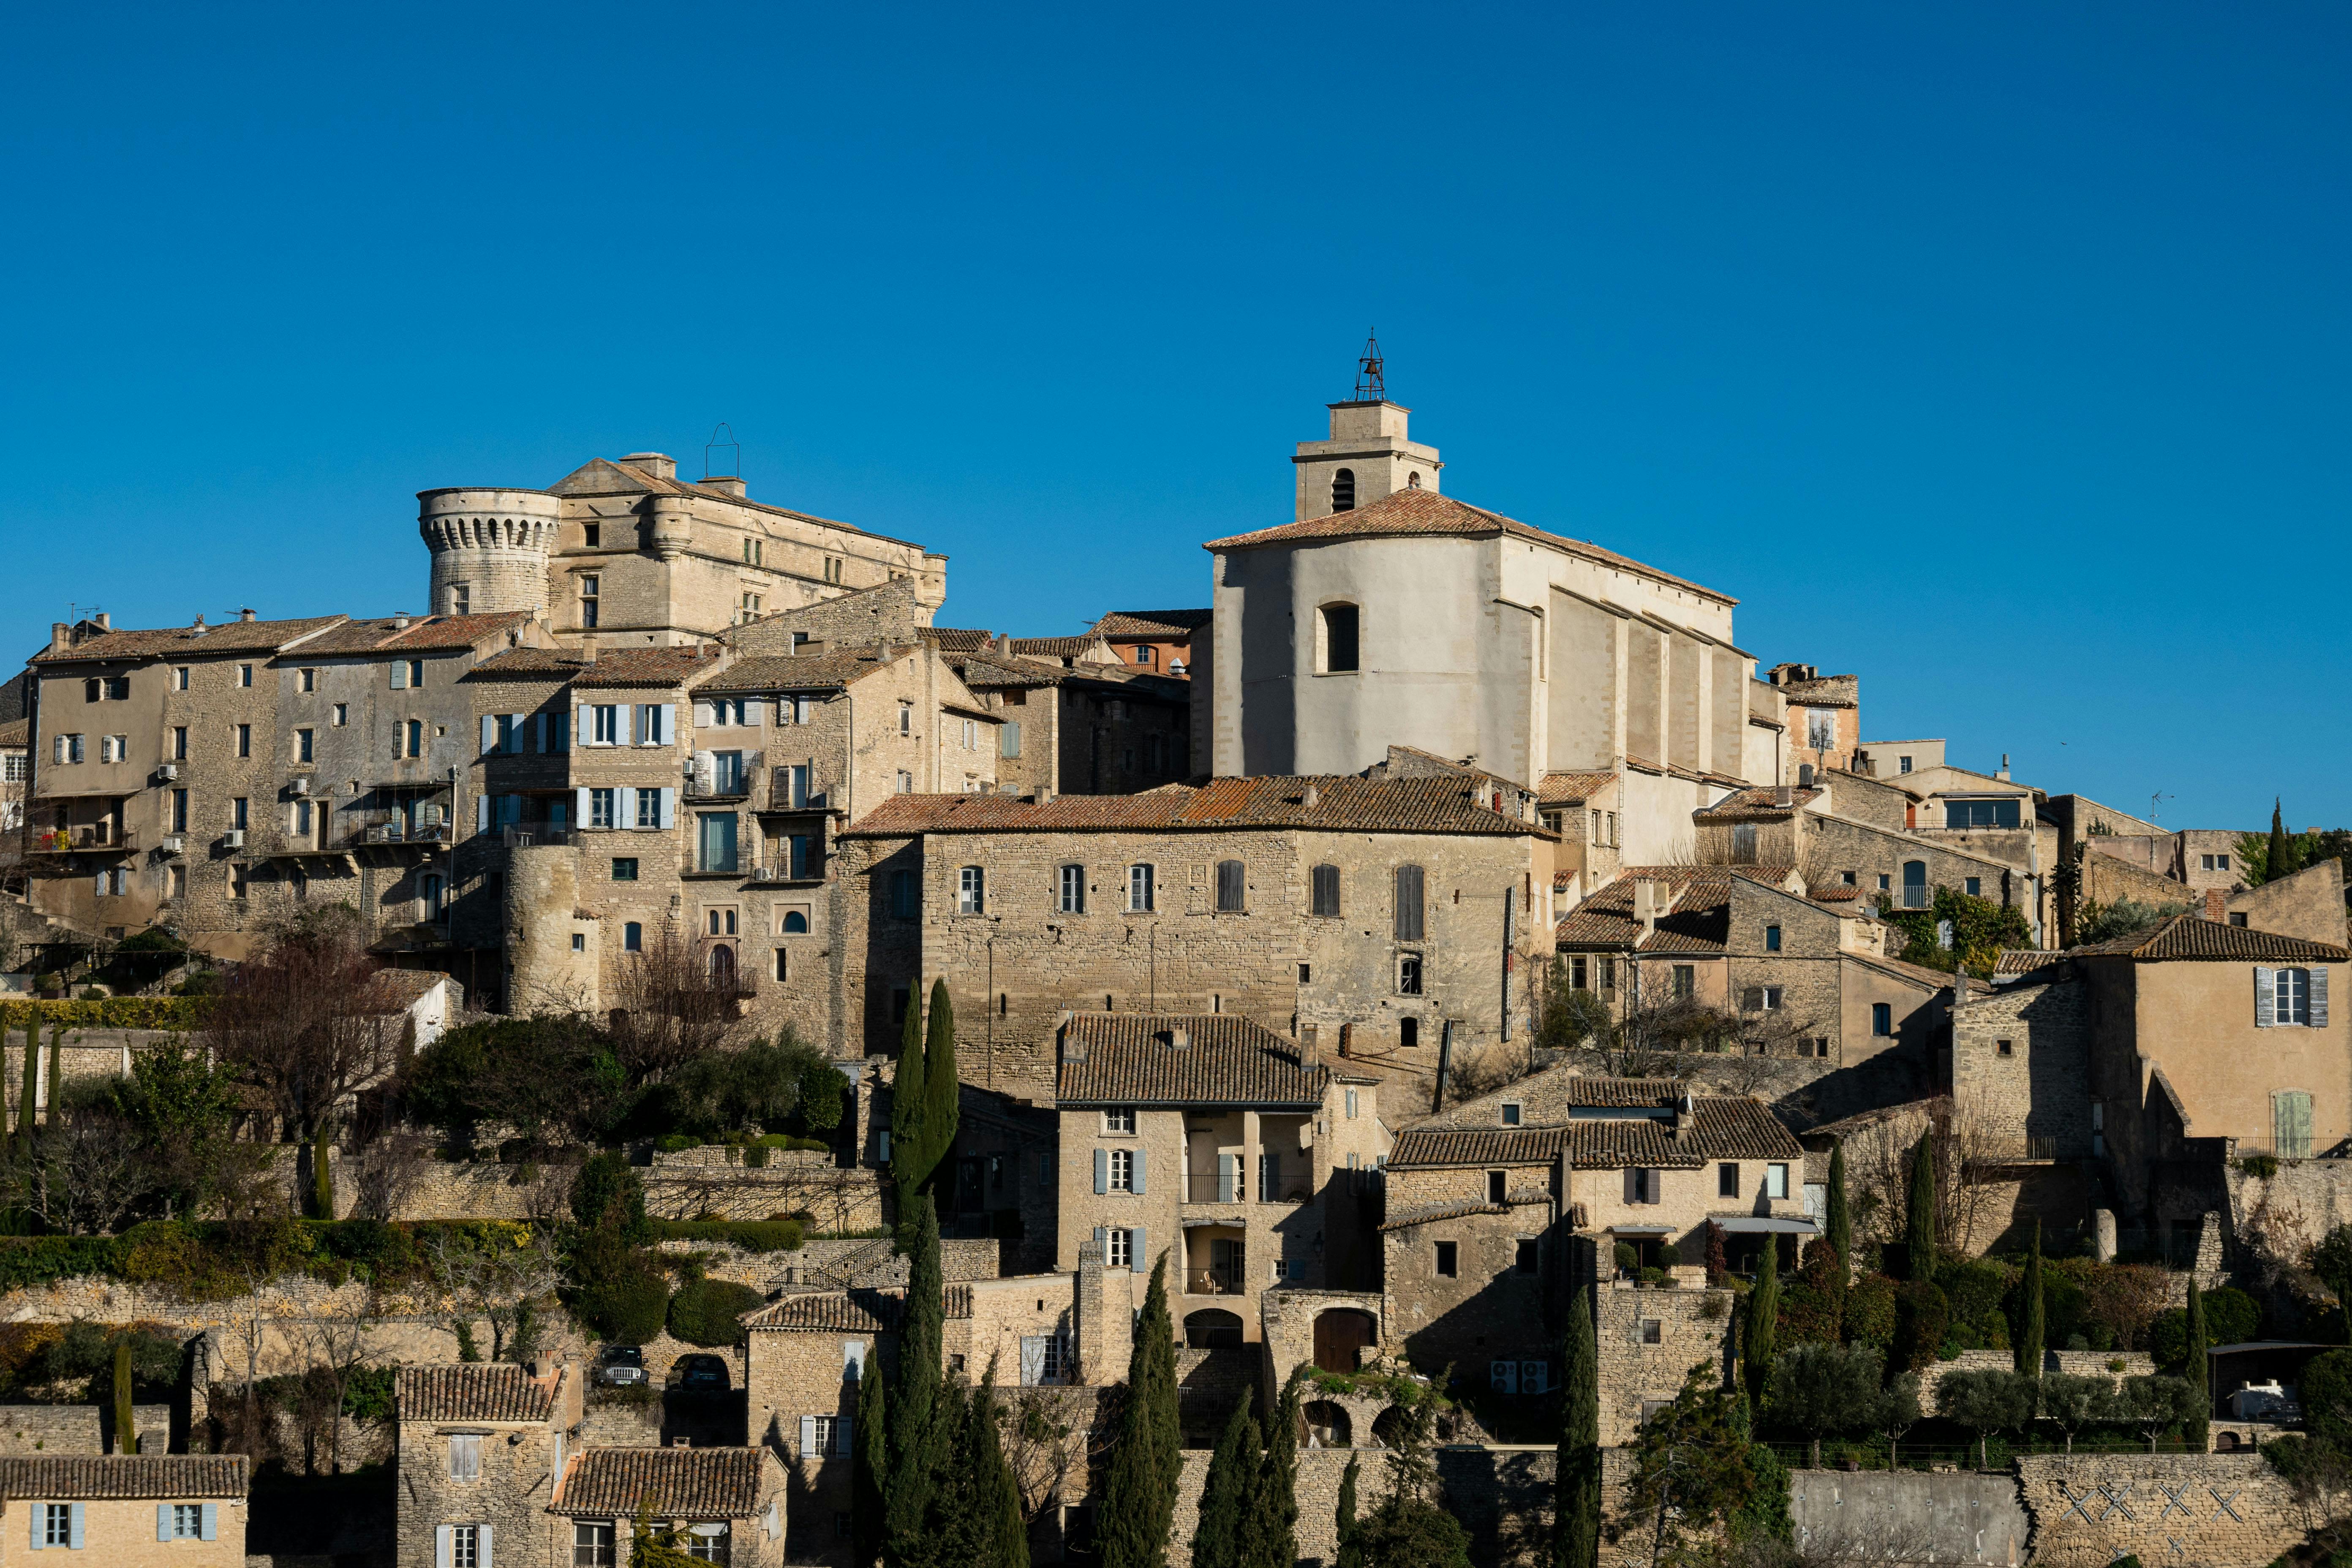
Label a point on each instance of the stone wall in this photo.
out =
(1909, 1517)
(2224, 1510)
(55, 1429)
(1636, 1369)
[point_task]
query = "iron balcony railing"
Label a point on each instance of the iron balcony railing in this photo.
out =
(83, 839)
(1919, 898)
(1214, 1282)
(1233, 1185)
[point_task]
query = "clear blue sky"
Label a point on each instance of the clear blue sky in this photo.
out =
(1997, 353)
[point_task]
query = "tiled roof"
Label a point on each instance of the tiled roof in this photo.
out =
(385, 633)
(529, 664)
(1423, 805)
(831, 1311)
(1570, 788)
(407, 986)
(1422, 511)
(679, 1483)
(1056, 647)
(1824, 691)
(1427, 1213)
(229, 637)
(956, 639)
(1699, 920)
(96, 1477)
(1167, 626)
(1129, 1059)
(648, 666)
(2194, 937)
(1759, 802)
(1718, 1127)
(797, 672)
(1837, 893)
(1599, 1093)
(16, 732)
(991, 672)
(2024, 961)
(1901, 969)
(479, 1391)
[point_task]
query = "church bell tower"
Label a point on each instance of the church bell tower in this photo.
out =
(1367, 457)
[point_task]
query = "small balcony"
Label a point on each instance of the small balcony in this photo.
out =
(723, 775)
(357, 829)
(1217, 1184)
(86, 838)
(1221, 1281)
(789, 789)
(1915, 897)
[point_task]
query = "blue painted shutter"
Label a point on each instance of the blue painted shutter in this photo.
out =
(162, 1522)
(1102, 1169)
(1139, 1173)
(1138, 1256)
(73, 1528)
(210, 1527)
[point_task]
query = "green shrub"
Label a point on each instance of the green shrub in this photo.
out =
(368, 1394)
(1973, 1288)
(624, 1296)
(608, 1193)
(2232, 1317)
(751, 1235)
(709, 1311)
(2327, 1398)
(1922, 1318)
(677, 1143)
(1869, 1311)
(1626, 1258)
(183, 1013)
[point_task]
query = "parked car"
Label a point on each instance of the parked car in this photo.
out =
(619, 1366)
(699, 1373)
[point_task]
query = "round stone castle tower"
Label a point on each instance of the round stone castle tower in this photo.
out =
(490, 548)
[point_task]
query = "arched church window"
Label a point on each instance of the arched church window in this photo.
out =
(1343, 490)
(1412, 480)
(1337, 639)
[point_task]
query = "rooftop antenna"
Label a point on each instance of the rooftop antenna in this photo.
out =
(1370, 386)
(2153, 801)
(734, 469)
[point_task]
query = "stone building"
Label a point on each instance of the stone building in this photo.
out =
(1387, 613)
(128, 1510)
(1240, 1156)
(481, 1448)
(1373, 916)
(2021, 1079)
(727, 1502)
(16, 771)
(1800, 975)
(1500, 1208)
(627, 554)
(1824, 718)
(1080, 726)
(1156, 642)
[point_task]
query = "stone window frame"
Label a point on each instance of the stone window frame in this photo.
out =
(1353, 620)
(1772, 938)
(1412, 974)
(1512, 1111)
(1070, 888)
(972, 890)
(1120, 1121)
(1498, 1186)
(1446, 1259)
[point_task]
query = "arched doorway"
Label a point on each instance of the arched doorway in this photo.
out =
(1211, 1328)
(1327, 1426)
(722, 967)
(1339, 1333)
(1389, 1426)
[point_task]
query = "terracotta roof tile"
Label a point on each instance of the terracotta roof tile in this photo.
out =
(1719, 1128)
(1571, 788)
(996, 671)
(229, 637)
(385, 633)
(97, 1478)
(834, 667)
(474, 1392)
(1423, 805)
(1422, 511)
(1056, 647)
(2197, 938)
(681, 1483)
(1165, 626)
(956, 639)
(1128, 1058)
(831, 1311)
(1759, 803)
(1698, 921)
(648, 666)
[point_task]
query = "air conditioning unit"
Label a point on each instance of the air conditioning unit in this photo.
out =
(299, 786)
(173, 844)
(234, 838)
(170, 771)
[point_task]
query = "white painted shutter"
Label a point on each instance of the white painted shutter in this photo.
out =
(489, 733)
(482, 1539)
(579, 806)
(580, 730)
(209, 1523)
(669, 808)
(808, 1437)
(441, 1552)
(706, 771)
(2265, 997)
(400, 674)
(2320, 996)
(1102, 1177)
(481, 814)
(38, 1513)
(702, 719)
(1032, 1361)
(162, 1522)
(1139, 1173)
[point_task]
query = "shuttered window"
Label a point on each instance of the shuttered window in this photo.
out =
(1326, 889)
(1231, 887)
(2291, 1124)
(1408, 904)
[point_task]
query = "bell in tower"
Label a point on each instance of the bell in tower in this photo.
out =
(1367, 457)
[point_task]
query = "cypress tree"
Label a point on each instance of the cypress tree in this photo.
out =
(1140, 1495)
(1763, 1320)
(126, 1438)
(2199, 1370)
(1841, 1221)
(1229, 1495)
(1273, 1539)
(29, 1101)
(2033, 1322)
(921, 1433)
(940, 1114)
(996, 1500)
(2280, 861)
(870, 1481)
(322, 1173)
(1351, 1548)
(1919, 1232)
(906, 1102)
(1577, 1504)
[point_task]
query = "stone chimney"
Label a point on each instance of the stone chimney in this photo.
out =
(1804, 775)
(61, 635)
(659, 465)
(1783, 797)
(1310, 1046)
(2003, 772)
(1180, 1038)
(1098, 1333)
(100, 619)
(246, 614)
(1311, 798)
(728, 485)
(1647, 903)
(2217, 906)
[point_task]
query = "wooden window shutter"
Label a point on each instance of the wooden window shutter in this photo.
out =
(2265, 997)
(2320, 996)
(1408, 904)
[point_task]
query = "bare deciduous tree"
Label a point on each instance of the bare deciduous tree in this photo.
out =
(386, 1171)
(670, 1006)
(492, 1280)
(334, 1340)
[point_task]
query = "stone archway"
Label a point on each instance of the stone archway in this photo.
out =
(1212, 1328)
(1328, 1424)
(1340, 1332)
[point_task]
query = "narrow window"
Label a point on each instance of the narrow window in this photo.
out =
(1446, 1266)
(600, 808)
(1338, 638)
(179, 678)
(245, 740)
(340, 715)
(1343, 490)
(633, 938)
(245, 674)
(1138, 890)
(304, 746)
(179, 742)
(592, 534)
(1232, 889)
(1727, 1179)
(1408, 1033)
(1072, 899)
(590, 587)
(1526, 1263)
(1775, 1181)
(1409, 975)
(972, 890)
(1771, 938)
(1496, 1185)
(179, 811)
(1408, 904)
(1122, 1170)
(1685, 980)
(1326, 889)
(904, 903)
(1882, 1018)
(906, 718)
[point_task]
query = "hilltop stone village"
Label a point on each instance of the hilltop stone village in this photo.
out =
(528, 1078)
